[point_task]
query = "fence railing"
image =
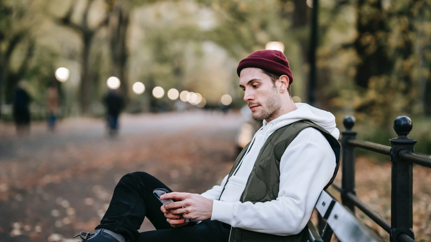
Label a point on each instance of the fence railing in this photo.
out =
(402, 156)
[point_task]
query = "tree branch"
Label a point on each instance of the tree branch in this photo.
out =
(13, 43)
(67, 21)
(26, 61)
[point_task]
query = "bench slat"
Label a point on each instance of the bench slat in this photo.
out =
(323, 203)
(343, 222)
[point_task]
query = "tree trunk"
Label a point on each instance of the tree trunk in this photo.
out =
(369, 44)
(86, 84)
(14, 77)
(427, 96)
(3, 77)
(119, 23)
(4, 64)
(300, 20)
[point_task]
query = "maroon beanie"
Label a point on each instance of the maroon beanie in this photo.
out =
(272, 61)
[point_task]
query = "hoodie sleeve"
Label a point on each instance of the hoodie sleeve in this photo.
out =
(306, 167)
(214, 193)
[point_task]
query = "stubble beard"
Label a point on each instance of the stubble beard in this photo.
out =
(270, 108)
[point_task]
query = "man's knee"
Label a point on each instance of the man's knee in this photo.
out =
(136, 177)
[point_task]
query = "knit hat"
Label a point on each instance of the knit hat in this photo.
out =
(272, 61)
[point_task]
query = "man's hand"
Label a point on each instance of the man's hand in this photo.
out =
(173, 219)
(191, 206)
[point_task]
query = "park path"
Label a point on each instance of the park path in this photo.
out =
(54, 185)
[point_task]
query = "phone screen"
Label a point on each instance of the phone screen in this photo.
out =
(159, 192)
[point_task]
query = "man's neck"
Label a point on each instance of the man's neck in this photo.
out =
(288, 107)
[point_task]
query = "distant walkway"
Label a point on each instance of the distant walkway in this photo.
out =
(76, 130)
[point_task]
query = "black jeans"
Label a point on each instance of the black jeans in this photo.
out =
(133, 200)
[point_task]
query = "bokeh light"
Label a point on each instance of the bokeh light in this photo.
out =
(296, 99)
(275, 45)
(192, 98)
(62, 74)
(183, 95)
(226, 99)
(158, 92)
(173, 94)
(199, 98)
(113, 82)
(189, 96)
(138, 87)
(202, 103)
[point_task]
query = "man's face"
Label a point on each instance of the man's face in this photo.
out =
(261, 94)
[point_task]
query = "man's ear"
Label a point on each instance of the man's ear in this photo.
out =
(284, 83)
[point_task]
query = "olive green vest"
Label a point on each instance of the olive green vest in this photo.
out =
(263, 183)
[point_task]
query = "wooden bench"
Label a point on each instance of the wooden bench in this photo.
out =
(339, 221)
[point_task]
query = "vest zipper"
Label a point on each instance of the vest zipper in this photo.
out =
(230, 233)
(243, 157)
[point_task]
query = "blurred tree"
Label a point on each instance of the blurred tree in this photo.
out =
(424, 49)
(16, 38)
(118, 30)
(87, 33)
(370, 43)
(387, 60)
(14, 76)
(118, 25)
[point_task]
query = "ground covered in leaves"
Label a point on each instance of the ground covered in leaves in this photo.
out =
(53, 185)
(56, 184)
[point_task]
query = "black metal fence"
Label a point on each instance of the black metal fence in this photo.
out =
(402, 156)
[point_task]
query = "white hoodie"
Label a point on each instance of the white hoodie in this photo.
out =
(306, 167)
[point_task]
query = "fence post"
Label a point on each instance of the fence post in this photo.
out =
(402, 181)
(348, 165)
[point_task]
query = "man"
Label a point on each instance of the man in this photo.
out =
(21, 111)
(114, 104)
(271, 190)
(53, 104)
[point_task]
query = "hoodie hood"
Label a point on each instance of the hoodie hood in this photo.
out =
(304, 111)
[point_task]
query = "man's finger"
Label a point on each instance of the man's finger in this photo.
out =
(172, 216)
(175, 221)
(179, 211)
(163, 209)
(174, 205)
(175, 195)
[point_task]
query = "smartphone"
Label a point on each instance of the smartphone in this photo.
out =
(158, 192)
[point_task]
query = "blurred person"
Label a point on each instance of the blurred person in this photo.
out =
(53, 104)
(21, 111)
(114, 104)
(224, 108)
(180, 106)
(271, 190)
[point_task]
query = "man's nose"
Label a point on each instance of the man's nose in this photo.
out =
(248, 95)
